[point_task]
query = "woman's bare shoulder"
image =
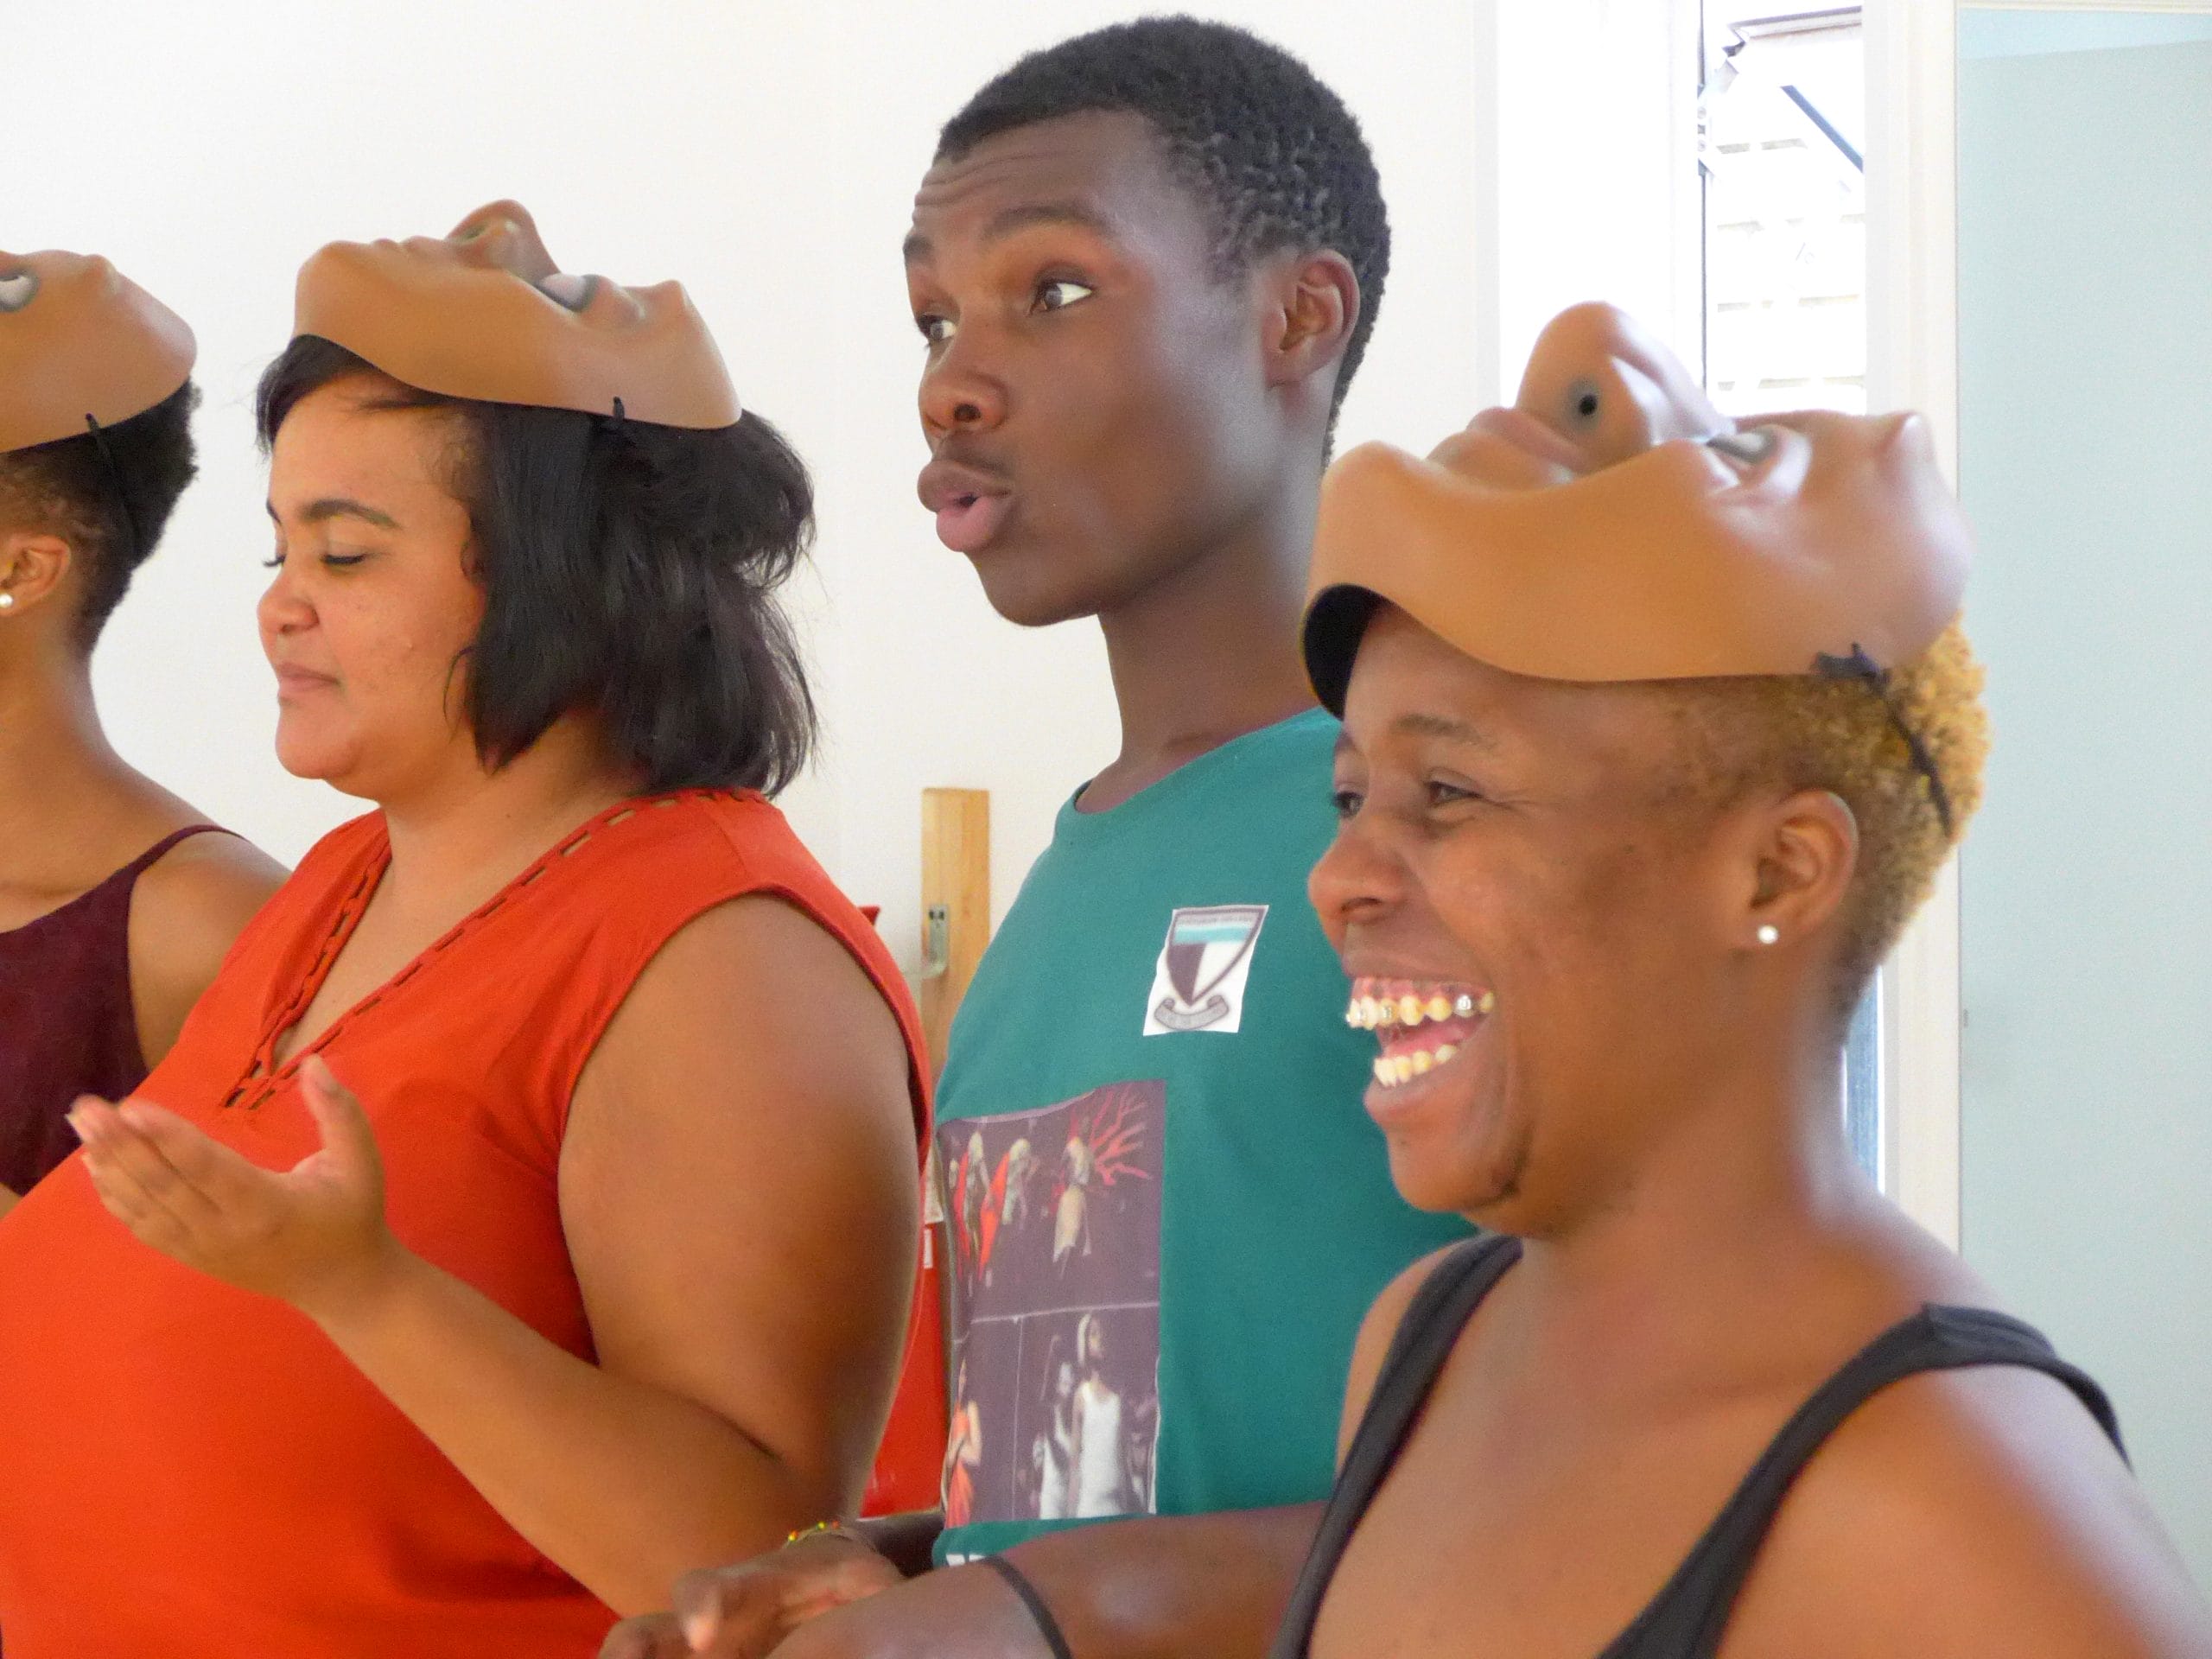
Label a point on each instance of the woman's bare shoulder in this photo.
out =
(187, 910)
(1972, 1511)
(756, 974)
(753, 1003)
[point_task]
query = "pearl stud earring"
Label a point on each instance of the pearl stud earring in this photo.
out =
(1769, 933)
(6, 601)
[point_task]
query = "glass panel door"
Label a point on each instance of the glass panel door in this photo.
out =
(2085, 325)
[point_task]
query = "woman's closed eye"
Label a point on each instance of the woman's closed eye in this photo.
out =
(333, 560)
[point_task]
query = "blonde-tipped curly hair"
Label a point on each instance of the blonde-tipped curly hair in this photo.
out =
(1837, 734)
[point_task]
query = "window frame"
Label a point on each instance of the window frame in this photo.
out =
(1912, 363)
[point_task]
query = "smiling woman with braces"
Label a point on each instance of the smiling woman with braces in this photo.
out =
(1655, 734)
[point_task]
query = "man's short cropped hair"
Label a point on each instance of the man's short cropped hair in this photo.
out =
(1276, 158)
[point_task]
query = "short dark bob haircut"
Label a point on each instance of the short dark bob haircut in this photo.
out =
(629, 571)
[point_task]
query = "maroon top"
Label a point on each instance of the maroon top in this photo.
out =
(68, 1026)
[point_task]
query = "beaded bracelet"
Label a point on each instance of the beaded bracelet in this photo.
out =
(832, 1528)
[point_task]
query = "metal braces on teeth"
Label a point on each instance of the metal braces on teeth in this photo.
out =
(1383, 1013)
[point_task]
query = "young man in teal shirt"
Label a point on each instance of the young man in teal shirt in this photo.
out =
(1146, 264)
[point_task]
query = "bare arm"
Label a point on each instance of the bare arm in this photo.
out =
(739, 1191)
(738, 1187)
(1173, 1587)
(185, 912)
(1170, 1586)
(1132, 1588)
(1166, 1587)
(1968, 1513)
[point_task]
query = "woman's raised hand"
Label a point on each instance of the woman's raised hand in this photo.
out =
(313, 1236)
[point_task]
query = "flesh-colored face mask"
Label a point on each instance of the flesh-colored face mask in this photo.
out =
(1612, 525)
(79, 344)
(484, 313)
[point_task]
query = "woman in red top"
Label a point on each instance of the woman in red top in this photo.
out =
(116, 904)
(527, 1214)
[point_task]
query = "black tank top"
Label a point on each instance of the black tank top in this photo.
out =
(1686, 1619)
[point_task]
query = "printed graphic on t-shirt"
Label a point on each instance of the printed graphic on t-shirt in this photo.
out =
(1198, 984)
(1055, 1221)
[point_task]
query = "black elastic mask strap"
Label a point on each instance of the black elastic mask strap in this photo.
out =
(115, 487)
(1860, 666)
(615, 428)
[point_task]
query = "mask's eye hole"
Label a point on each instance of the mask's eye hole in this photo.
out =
(1583, 402)
(568, 289)
(1750, 447)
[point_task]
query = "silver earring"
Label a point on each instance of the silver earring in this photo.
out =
(1769, 934)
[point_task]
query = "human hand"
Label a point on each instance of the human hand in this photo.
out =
(744, 1611)
(313, 1236)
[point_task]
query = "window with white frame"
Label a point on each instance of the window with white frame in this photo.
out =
(1782, 106)
(1783, 113)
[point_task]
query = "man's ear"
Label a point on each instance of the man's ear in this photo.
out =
(33, 563)
(1316, 307)
(1805, 855)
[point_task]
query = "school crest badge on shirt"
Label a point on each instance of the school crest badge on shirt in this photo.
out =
(1198, 984)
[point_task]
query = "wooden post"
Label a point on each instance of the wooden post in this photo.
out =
(956, 904)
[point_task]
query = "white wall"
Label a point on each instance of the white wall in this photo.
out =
(765, 154)
(1595, 136)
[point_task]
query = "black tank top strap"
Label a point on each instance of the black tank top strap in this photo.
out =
(1434, 1318)
(1686, 1620)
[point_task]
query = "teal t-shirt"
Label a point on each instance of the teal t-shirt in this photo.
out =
(1167, 1209)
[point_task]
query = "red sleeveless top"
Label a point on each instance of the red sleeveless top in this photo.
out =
(210, 1477)
(68, 1026)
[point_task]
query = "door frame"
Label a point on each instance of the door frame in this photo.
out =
(1912, 363)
